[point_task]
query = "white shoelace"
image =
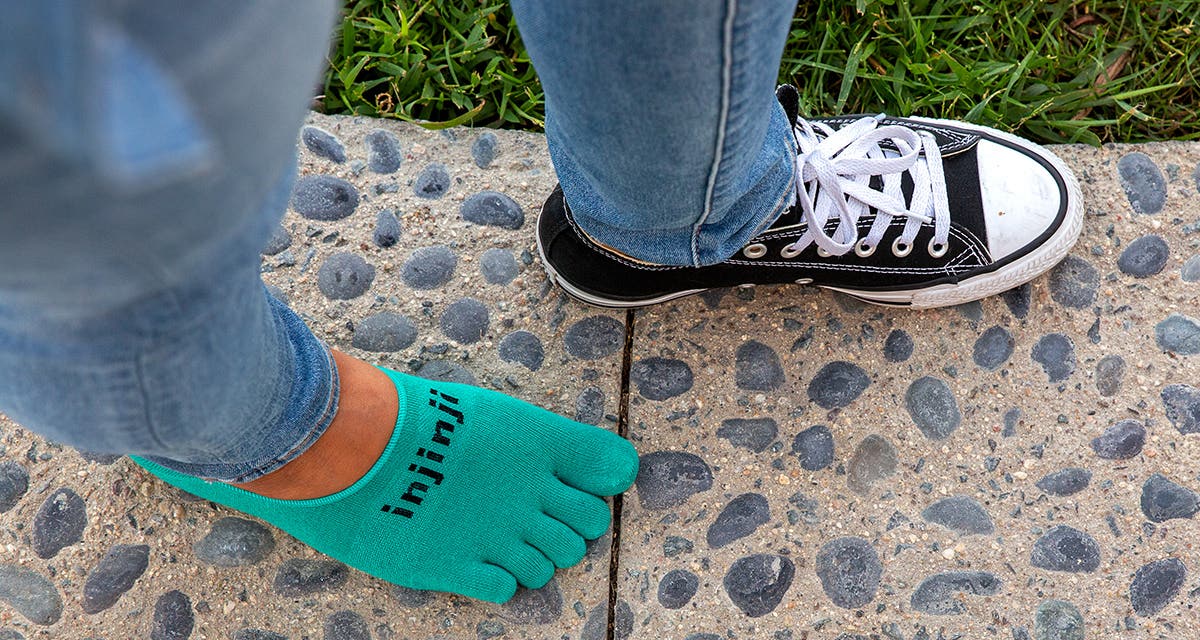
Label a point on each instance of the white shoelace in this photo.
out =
(833, 175)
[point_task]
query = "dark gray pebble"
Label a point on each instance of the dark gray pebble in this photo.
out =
(1190, 271)
(429, 267)
(756, 584)
(596, 626)
(837, 384)
(523, 348)
(1181, 402)
(1066, 549)
(465, 321)
(940, 594)
(346, 625)
(874, 460)
(961, 514)
(677, 588)
(1073, 283)
(1056, 353)
(384, 332)
(344, 276)
(757, 368)
(280, 239)
(446, 371)
(993, 348)
(1018, 300)
(589, 406)
(488, 629)
(932, 406)
(493, 209)
(323, 143)
(483, 150)
(387, 229)
(1178, 334)
(1057, 620)
(258, 634)
(32, 595)
(383, 151)
(114, 575)
(1143, 182)
(661, 378)
(411, 598)
(738, 519)
(300, 577)
(675, 545)
(235, 541)
(1110, 371)
(535, 606)
(1164, 500)
(594, 337)
(755, 434)
(103, 459)
(433, 182)
(1144, 257)
(807, 510)
(1121, 441)
(173, 618)
(58, 523)
(14, 482)
(13, 634)
(849, 571)
(1066, 482)
(898, 346)
(667, 479)
(1156, 584)
(321, 197)
(498, 266)
(814, 447)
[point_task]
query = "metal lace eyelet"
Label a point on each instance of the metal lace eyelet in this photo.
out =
(804, 281)
(823, 253)
(901, 249)
(789, 252)
(756, 250)
(864, 250)
(937, 250)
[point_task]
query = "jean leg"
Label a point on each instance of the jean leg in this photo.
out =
(662, 121)
(132, 317)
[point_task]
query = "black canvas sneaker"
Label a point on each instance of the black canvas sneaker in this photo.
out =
(898, 211)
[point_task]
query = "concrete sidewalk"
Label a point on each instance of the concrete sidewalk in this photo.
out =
(812, 467)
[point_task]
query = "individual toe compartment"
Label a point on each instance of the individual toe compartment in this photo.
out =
(560, 543)
(583, 512)
(594, 460)
(530, 566)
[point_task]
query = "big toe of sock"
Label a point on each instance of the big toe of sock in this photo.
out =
(594, 460)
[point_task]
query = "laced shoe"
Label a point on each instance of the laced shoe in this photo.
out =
(913, 212)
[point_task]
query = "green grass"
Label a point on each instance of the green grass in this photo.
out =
(1100, 71)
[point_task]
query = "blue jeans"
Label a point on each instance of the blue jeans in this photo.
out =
(145, 158)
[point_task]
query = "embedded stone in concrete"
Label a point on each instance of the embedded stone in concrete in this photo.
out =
(300, 577)
(258, 634)
(320, 197)
(173, 619)
(384, 332)
(1110, 371)
(1156, 584)
(1143, 182)
(14, 482)
(898, 346)
(874, 460)
(1181, 402)
(589, 406)
(387, 229)
(323, 143)
(433, 182)
(754, 434)
(410, 598)
(993, 348)
(493, 209)
(1164, 500)
(383, 151)
(814, 447)
(58, 523)
(429, 267)
(941, 594)
(807, 510)
(1018, 300)
(961, 514)
(344, 276)
(445, 371)
(1121, 441)
(837, 384)
(535, 606)
(595, 337)
(1056, 353)
(661, 378)
(1066, 482)
(1190, 271)
(523, 348)
(756, 584)
(483, 150)
(31, 594)
(1073, 283)
(757, 367)
(932, 406)
(596, 626)
(738, 519)
(234, 542)
(675, 545)
(346, 625)
(465, 321)
(1067, 549)
(667, 479)
(677, 588)
(280, 239)
(1144, 257)
(1058, 620)
(498, 266)
(849, 571)
(114, 575)
(1179, 334)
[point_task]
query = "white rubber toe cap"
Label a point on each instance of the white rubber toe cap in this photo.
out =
(1021, 199)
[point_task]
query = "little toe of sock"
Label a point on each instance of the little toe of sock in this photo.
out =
(588, 515)
(561, 544)
(530, 566)
(596, 461)
(489, 582)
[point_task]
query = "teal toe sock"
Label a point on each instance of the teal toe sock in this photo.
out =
(475, 493)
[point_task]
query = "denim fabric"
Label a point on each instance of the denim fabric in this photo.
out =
(662, 121)
(146, 151)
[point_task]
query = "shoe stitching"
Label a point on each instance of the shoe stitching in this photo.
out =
(959, 141)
